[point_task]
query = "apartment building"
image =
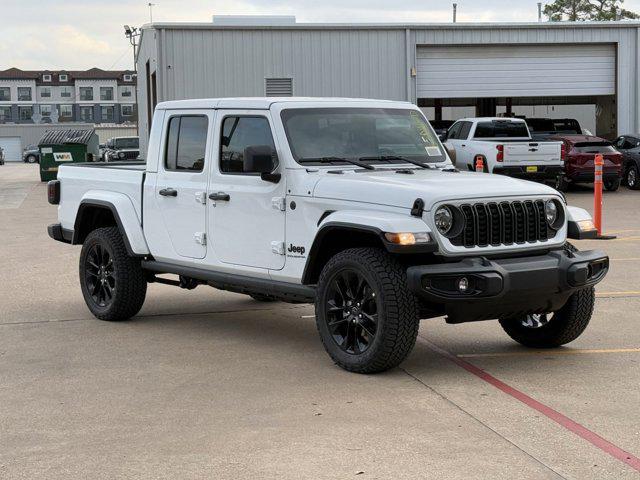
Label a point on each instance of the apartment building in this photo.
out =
(89, 96)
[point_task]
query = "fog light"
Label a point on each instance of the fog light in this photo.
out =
(463, 285)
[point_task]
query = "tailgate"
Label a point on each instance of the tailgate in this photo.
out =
(532, 153)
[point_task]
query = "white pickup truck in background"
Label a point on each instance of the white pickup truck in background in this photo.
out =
(506, 147)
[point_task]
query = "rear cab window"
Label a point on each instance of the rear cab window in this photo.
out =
(501, 129)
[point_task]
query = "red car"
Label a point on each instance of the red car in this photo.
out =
(579, 154)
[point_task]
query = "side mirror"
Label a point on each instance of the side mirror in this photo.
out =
(443, 137)
(261, 159)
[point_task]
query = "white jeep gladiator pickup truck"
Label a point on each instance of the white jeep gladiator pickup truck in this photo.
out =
(506, 147)
(351, 204)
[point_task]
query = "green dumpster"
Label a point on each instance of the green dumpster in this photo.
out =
(65, 146)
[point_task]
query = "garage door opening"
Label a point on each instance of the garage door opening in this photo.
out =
(12, 147)
(534, 81)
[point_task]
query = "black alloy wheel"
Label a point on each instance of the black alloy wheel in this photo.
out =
(100, 278)
(352, 311)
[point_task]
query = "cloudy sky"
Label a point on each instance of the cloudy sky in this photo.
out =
(78, 34)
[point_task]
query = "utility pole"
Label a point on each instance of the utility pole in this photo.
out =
(455, 12)
(132, 33)
(151, 5)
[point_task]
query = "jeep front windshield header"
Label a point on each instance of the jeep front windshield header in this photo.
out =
(372, 135)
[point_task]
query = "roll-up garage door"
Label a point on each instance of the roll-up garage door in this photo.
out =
(516, 71)
(12, 147)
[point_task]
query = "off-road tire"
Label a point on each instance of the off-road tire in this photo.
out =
(635, 180)
(565, 326)
(397, 309)
(612, 185)
(131, 285)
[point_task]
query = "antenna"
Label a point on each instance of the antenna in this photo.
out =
(151, 5)
(539, 11)
(455, 12)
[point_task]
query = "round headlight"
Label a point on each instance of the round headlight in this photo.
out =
(444, 219)
(121, 154)
(551, 211)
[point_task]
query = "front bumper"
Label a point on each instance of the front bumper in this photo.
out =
(505, 287)
(543, 172)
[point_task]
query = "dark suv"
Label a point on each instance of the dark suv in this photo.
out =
(629, 146)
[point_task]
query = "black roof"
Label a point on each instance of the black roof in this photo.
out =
(63, 137)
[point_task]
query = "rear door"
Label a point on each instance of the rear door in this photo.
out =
(247, 220)
(181, 182)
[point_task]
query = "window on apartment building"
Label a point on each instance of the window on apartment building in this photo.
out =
(106, 93)
(66, 111)
(106, 113)
(126, 91)
(86, 93)
(25, 112)
(45, 110)
(86, 114)
(46, 78)
(128, 78)
(65, 92)
(45, 92)
(127, 110)
(63, 77)
(5, 114)
(24, 94)
(5, 94)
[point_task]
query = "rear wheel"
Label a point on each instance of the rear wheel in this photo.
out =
(612, 185)
(366, 316)
(113, 283)
(633, 178)
(562, 184)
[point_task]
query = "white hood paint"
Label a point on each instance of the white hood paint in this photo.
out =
(433, 186)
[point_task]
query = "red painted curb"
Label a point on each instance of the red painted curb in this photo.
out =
(574, 427)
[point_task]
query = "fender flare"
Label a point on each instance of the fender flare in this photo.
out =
(372, 222)
(125, 215)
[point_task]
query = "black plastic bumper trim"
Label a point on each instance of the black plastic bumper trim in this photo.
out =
(60, 234)
(544, 172)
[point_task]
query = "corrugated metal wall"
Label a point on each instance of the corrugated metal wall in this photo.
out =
(354, 61)
(516, 71)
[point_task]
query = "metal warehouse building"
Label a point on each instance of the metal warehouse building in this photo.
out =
(452, 70)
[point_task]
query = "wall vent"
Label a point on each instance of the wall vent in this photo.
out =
(278, 87)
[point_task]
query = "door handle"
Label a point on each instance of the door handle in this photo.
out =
(168, 192)
(224, 197)
(463, 145)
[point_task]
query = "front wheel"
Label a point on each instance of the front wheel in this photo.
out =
(31, 159)
(113, 283)
(366, 316)
(633, 178)
(552, 330)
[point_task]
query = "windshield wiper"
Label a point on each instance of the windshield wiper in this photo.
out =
(352, 161)
(398, 157)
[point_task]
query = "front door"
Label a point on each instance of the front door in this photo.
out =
(181, 182)
(246, 213)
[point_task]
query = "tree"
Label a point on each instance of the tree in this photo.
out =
(582, 10)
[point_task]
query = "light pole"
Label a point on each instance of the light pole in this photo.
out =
(151, 5)
(132, 33)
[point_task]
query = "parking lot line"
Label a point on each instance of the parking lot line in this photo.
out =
(629, 293)
(575, 351)
(562, 420)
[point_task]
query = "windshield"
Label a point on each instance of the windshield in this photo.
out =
(501, 129)
(371, 134)
(126, 143)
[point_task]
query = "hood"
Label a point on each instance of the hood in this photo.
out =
(400, 189)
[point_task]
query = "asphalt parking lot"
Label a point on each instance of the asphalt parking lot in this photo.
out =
(208, 384)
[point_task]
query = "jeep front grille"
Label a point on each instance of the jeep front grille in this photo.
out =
(503, 223)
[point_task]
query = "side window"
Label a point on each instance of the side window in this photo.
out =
(454, 131)
(239, 133)
(464, 131)
(186, 143)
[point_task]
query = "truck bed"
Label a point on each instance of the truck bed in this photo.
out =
(102, 180)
